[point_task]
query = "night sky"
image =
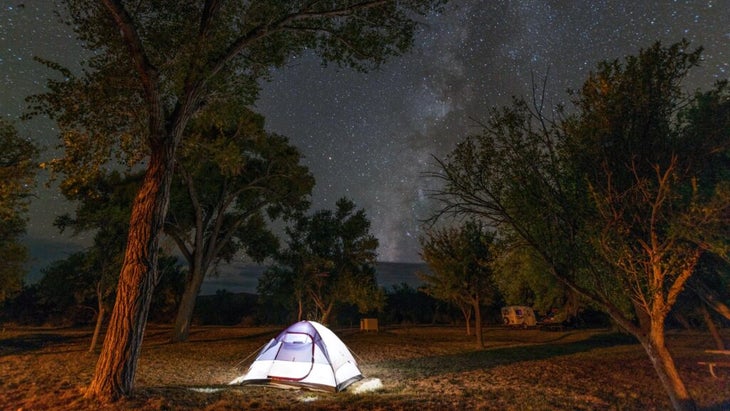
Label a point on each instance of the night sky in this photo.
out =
(371, 136)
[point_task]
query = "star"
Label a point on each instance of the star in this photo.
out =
(371, 136)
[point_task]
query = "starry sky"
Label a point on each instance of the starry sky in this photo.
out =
(370, 137)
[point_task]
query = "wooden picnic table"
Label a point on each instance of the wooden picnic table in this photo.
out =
(713, 363)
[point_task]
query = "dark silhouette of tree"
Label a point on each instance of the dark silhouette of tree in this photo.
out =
(711, 286)
(104, 206)
(329, 261)
(523, 278)
(611, 197)
(407, 305)
(152, 67)
(67, 287)
(74, 290)
(231, 177)
(17, 173)
(461, 262)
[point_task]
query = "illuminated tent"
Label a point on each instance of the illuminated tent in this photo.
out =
(305, 355)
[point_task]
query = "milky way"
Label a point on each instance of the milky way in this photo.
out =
(370, 137)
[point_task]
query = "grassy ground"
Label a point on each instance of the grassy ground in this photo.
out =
(425, 368)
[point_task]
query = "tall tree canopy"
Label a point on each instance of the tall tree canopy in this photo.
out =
(461, 261)
(231, 177)
(152, 67)
(330, 261)
(17, 173)
(620, 199)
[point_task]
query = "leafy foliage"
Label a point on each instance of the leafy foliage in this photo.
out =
(187, 55)
(153, 67)
(104, 210)
(407, 305)
(89, 278)
(523, 278)
(17, 173)
(329, 261)
(461, 261)
(614, 198)
(232, 178)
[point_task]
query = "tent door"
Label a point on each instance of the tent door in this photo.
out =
(295, 359)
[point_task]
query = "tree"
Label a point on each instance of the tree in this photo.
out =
(66, 288)
(611, 197)
(523, 278)
(407, 306)
(104, 208)
(73, 289)
(153, 67)
(708, 124)
(229, 172)
(17, 173)
(461, 260)
(329, 261)
(660, 188)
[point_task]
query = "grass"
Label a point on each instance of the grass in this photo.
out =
(421, 368)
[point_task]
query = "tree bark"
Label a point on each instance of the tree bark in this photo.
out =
(117, 364)
(571, 306)
(478, 322)
(326, 313)
(466, 312)
(719, 343)
(665, 368)
(708, 296)
(682, 320)
(97, 328)
(184, 317)
(99, 317)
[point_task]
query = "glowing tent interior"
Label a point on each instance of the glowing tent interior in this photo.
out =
(305, 355)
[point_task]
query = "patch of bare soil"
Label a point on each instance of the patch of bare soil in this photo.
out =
(421, 368)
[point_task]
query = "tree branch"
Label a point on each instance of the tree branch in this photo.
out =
(146, 71)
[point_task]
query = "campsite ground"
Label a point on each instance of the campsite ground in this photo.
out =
(421, 368)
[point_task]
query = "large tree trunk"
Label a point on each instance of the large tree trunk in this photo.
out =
(571, 306)
(709, 297)
(478, 322)
(99, 317)
(97, 328)
(665, 368)
(326, 313)
(466, 312)
(117, 364)
(682, 320)
(184, 317)
(719, 342)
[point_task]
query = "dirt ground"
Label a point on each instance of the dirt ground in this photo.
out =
(421, 368)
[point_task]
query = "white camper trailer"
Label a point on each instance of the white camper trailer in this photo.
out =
(519, 316)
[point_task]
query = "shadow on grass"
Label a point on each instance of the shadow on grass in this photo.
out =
(31, 342)
(721, 406)
(264, 336)
(473, 360)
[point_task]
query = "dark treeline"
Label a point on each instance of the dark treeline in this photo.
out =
(404, 305)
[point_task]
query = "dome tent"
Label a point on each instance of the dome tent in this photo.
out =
(305, 355)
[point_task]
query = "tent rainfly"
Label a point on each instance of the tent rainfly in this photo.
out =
(305, 355)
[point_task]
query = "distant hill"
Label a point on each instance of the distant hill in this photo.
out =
(390, 274)
(243, 278)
